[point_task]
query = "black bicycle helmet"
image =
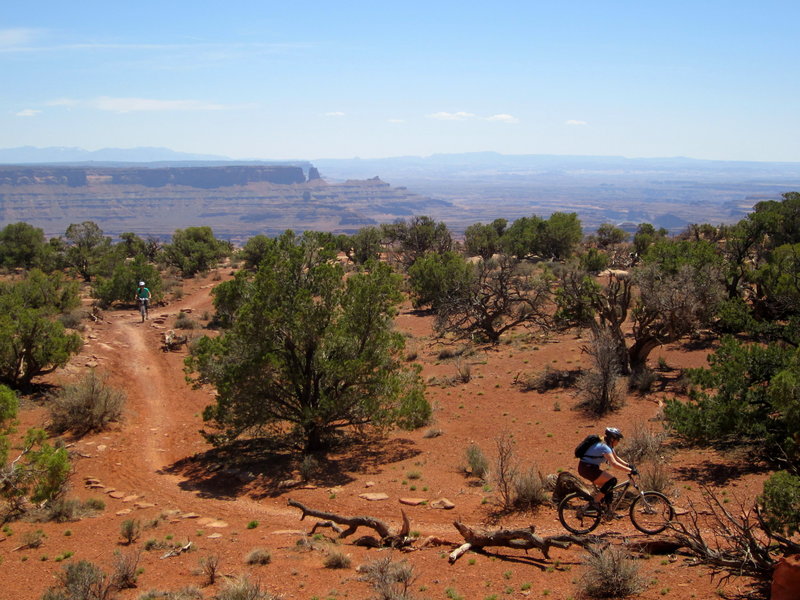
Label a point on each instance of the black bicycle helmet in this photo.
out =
(613, 433)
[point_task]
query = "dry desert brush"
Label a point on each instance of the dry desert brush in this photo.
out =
(610, 573)
(87, 405)
(732, 542)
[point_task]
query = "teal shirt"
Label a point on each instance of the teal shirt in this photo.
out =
(142, 293)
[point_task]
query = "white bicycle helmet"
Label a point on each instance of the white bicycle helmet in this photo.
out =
(614, 433)
(141, 284)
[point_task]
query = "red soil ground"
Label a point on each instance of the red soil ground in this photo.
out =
(155, 460)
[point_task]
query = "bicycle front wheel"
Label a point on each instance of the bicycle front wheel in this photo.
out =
(651, 512)
(575, 514)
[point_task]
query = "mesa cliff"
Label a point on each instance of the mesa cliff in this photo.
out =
(237, 201)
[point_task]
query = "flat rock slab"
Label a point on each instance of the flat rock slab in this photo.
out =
(374, 496)
(190, 515)
(124, 511)
(131, 498)
(218, 524)
(287, 532)
(214, 536)
(443, 503)
(205, 521)
(117, 495)
(413, 501)
(144, 504)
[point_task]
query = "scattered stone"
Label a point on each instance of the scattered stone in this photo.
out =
(91, 480)
(144, 505)
(308, 486)
(288, 532)
(95, 486)
(205, 521)
(442, 503)
(413, 501)
(130, 498)
(91, 364)
(374, 496)
(101, 447)
(109, 490)
(189, 515)
(117, 495)
(124, 511)
(369, 484)
(214, 536)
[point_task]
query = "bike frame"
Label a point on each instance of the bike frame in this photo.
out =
(614, 506)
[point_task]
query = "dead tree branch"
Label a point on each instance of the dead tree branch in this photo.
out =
(521, 539)
(387, 538)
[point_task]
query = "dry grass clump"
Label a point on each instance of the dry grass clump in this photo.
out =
(390, 580)
(548, 378)
(337, 560)
(258, 556)
(477, 463)
(241, 588)
(88, 405)
(187, 593)
(530, 489)
(643, 444)
(610, 573)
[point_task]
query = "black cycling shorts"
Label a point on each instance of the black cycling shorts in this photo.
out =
(589, 471)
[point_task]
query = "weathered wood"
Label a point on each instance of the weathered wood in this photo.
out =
(566, 483)
(387, 538)
(177, 551)
(522, 539)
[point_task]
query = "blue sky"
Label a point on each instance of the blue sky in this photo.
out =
(305, 80)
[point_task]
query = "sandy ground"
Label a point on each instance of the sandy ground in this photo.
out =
(155, 467)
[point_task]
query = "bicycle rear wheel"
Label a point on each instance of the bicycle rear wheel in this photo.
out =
(651, 512)
(575, 515)
(143, 310)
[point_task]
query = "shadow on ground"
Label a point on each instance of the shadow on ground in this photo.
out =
(260, 470)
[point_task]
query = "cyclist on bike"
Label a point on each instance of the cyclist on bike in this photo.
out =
(143, 296)
(596, 455)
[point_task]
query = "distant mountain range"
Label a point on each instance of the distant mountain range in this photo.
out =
(62, 154)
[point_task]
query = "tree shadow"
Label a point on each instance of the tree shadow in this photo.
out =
(718, 474)
(262, 470)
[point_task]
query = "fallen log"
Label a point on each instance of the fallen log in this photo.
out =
(521, 539)
(387, 538)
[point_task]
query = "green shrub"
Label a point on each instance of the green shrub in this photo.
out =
(781, 503)
(80, 580)
(130, 530)
(88, 405)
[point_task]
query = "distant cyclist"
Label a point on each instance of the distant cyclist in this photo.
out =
(143, 297)
(597, 454)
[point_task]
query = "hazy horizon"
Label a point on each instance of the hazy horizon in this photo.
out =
(251, 80)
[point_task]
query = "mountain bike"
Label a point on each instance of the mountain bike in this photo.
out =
(650, 511)
(143, 308)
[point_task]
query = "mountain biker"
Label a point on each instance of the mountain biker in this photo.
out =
(596, 455)
(143, 295)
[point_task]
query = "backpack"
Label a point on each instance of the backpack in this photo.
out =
(588, 442)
